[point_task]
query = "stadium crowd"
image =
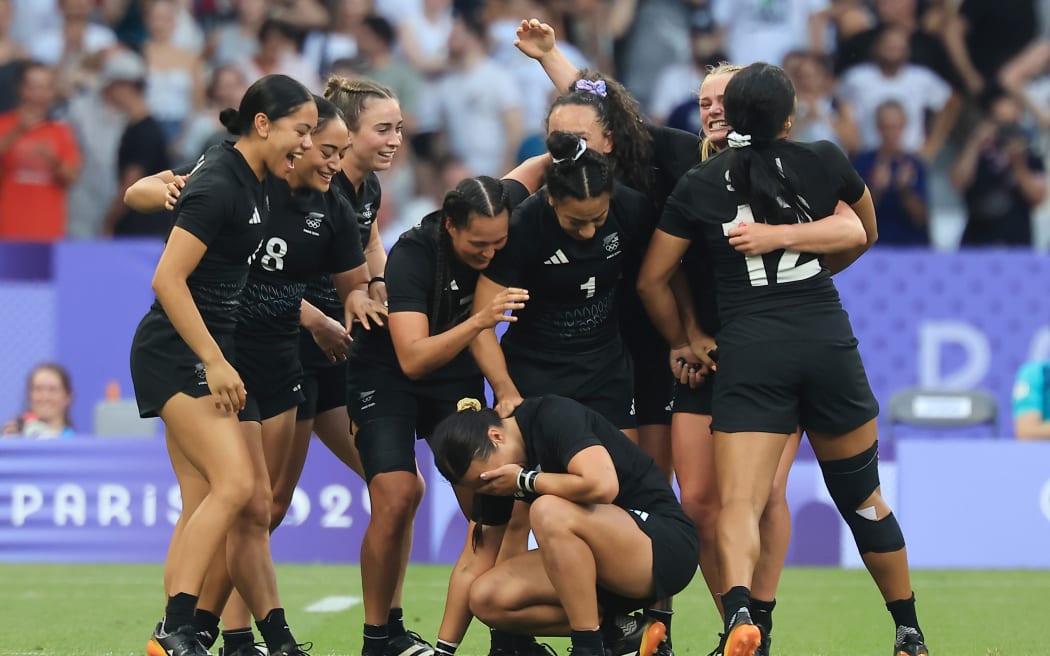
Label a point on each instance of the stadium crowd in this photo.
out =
(941, 105)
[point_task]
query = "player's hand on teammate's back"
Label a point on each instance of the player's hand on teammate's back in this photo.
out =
(332, 338)
(756, 238)
(226, 386)
(505, 407)
(174, 190)
(508, 300)
(363, 308)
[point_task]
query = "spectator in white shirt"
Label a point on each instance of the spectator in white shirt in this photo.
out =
(890, 77)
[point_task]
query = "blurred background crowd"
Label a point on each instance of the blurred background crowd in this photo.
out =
(944, 106)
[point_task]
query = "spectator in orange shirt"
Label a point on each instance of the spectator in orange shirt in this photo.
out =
(39, 160)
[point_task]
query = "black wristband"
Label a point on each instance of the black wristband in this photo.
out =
(527, 480)
(376, 279)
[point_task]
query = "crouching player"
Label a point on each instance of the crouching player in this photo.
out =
(612, 536)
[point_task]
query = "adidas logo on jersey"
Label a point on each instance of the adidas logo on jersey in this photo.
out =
(255, 216)
(557, 258)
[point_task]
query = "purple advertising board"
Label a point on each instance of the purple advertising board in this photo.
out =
(115, 500)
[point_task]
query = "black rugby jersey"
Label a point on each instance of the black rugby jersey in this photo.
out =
(319, 290)
(572, 284)
(225, 206)
(411, 271)
(310, 232)
(704, 207)
(555, 429)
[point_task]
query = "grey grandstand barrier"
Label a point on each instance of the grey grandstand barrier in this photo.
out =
(942, 409)
(120, 418)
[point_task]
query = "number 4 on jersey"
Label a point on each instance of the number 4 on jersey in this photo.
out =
(788, 267)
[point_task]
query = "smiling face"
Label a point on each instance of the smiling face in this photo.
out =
(580, 219)
(477, 243)
(712, 108)
(581, 120)
(49, 398)
(287, 138)
(320, 164)
(378, 136)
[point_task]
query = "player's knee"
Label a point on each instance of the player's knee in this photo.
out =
(703, 509)
(486, 599)
(257, 511)
(852, 484)
(548, 516)
(234, 489)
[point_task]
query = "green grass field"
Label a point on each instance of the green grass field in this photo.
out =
(72, 610)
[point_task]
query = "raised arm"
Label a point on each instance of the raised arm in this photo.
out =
(537, 40)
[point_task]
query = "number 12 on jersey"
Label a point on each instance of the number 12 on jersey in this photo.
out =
(788, 267)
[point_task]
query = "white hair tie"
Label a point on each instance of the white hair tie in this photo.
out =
(737, 140)
(581, 148)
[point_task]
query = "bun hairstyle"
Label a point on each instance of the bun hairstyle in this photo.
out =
(350, 97)
(462, 438)
(619, 115)
(326, 111)
(481, 196)
(758, 101)
(576, 171)
(276, 96)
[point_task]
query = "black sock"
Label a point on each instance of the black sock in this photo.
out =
(663, 616)
(732, 601)
(903, 612)
(274, 630)
(179, 611)
(446, 648)
(588, 641)
(395, 622)
(376, 637)
(762, 613)
(501, 640)
(234, 639)
(523, 643)
(207, 624)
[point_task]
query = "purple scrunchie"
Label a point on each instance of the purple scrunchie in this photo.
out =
(597, 87)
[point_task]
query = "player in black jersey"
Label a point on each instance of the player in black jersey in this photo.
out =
(568, 244)
(181, 352)
(787, 356)
(402, 382)
(647, 158)
(601, 111)
(612, 536)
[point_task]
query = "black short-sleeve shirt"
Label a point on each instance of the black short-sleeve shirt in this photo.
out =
(555, 429)
(411, 273)
(310, 232)
(226, 207)
(319, 290)
(705, 206)
(572, 283)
